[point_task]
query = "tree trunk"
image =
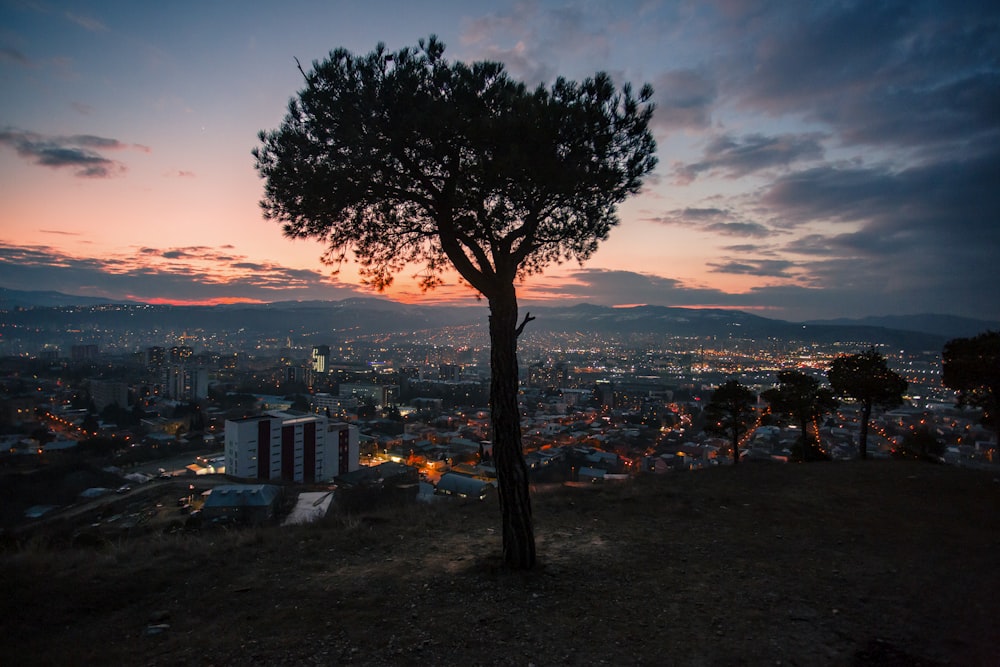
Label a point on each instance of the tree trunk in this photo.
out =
(804, 425)
(866, 415)
(508, 456)
(736, 441)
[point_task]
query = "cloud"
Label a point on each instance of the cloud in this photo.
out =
(843, 289)
(735, 157)
(684, 99)
(81, 153)
(715, 221)
(534, 41)
(893, 74)
(765, 268)
(12, 55)
(86, 22)
(188, 274)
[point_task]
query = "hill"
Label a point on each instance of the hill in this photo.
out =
(318, 322)
(863, 563)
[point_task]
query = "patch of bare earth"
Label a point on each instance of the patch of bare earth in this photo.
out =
(868, 563)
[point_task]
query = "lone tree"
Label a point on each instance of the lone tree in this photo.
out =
(865, 378)
(406, 158)
(802, 398)
(971, 366)
(730, 413)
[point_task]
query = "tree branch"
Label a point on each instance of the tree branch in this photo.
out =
(520, 329)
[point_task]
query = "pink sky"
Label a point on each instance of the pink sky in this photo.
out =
(824, 171)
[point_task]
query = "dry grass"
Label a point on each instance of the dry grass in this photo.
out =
(819, 564)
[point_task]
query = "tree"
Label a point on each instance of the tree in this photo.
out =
(865, 378)
(730, 413)
(920, 444)
(802, 398)
(407, 159)
(971, 366)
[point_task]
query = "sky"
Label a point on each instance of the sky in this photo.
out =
(817, 159)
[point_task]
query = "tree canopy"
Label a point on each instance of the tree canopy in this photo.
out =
(866, 378)
(730, 413)
(971, 366)
(406, 158)
(801, 397)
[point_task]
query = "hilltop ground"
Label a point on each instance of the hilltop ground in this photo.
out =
(867, 563)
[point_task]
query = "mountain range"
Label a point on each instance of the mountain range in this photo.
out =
(363, 316)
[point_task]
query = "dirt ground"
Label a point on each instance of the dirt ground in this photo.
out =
(866, 563)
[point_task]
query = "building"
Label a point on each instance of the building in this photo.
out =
(187, 383)
(106, 392)
(380, 395)
(321, 359)
(243, 503)
(290, 446)
(328, 404)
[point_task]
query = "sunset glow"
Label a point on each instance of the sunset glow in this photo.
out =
(826, 171)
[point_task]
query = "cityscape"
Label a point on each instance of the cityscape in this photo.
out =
(595, 407)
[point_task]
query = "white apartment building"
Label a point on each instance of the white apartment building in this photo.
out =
(293, 447)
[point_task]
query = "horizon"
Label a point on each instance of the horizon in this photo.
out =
(816, 161)
(384, 299)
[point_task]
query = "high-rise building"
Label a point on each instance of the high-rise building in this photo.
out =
(105, 393)
(321, 358)
(293, 447)
(155, 357)
(185, 383)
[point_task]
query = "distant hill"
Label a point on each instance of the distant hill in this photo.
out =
(949, 326)
(10, 298)
(318, 320)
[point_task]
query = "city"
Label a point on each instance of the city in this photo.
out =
(595, 407)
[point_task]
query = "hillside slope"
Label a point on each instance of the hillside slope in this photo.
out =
(867, 563)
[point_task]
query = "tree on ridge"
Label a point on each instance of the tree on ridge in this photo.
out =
(865, 378)
(405, 158)
(971, 366)
(803, 399)
(730, 413)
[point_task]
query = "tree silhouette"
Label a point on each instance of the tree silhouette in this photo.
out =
(865, 378)
(405, 159)
(730, 413)
(971, 366)
(803, 399)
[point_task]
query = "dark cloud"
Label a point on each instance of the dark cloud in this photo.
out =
(951, 203)
(922, 75)
(79, 152)
(684, 99)
(715, 221)
(846, 289)
(187, 274)
(735, 157)
(12, 55)
(764, 268)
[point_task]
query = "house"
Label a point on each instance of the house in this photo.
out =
(245, 503)
(453, 484)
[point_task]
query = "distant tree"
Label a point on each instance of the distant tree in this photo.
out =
(800, 397)
(405, 158)
(730, 413)
(90, 425)
(971, 366)
(920, 444)
(299, 402)
(864, 377)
